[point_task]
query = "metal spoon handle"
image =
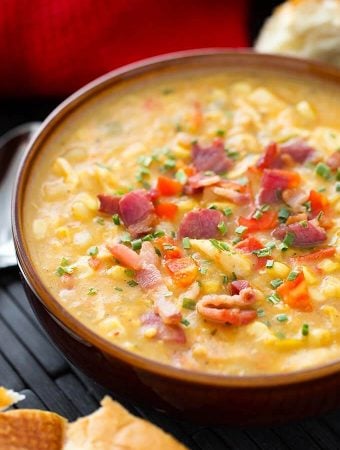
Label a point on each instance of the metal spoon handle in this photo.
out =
(12, 148)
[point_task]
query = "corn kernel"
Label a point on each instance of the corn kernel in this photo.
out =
(150, 332)
(88, 200)
(286, 344)
(179, 151)
(117, 272)
(331, 312)
(328, 266)
(186, 205)
(210, 286)
(320, 337)
(305, 109)
(279, 270)
(330, 287)
(80, 211)
(309, 276)
(111, 326)
(199, 351)
(62, 233)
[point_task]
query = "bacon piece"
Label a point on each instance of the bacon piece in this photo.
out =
(137, 212)
(201, 224)
(307, 234)
(125, 256)
(276, 157)
(167, 309)
(233, 192)
(238, 285)
(274, 181)
(198, 181)
(148, 254)
(148, 277)
(167, 333)
(298, 150)
(295, 198)
(67, 280)
(109, 204)
(334, 160)
(211, 158)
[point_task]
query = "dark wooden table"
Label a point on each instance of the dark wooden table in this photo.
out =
(30, 364)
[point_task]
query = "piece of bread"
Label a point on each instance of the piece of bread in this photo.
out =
(28, 429)
(304, 28)
(8, 398)
(111, 427)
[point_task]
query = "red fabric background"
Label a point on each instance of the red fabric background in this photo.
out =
(52, 47)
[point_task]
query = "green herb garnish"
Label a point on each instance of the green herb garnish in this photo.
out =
(289, 239)
(241, 229)
(274, 298)
(132, 283)
(323, 170)
(220, 245)
(276, 283)
(92, 291)
(227, 211)
(93, 251)
(292, 276)
(185, 322)
(186, 243)
(222, 228)
(305, 329)
(270, 263)
(282, 317)
(189, 303)
(136, 244)
(283, 214)
(116, 219)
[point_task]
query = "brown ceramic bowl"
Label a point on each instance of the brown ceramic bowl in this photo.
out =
(186, 394)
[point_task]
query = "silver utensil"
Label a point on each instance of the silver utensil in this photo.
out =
(12, 149)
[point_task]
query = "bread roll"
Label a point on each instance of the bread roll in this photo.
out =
(304, 28)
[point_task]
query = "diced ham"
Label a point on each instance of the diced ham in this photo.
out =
(167, 309)
(148, 277)
(334, 160)
(167, 333)
(274, 181)
(137, 212)
(307, 234)
(232, 194)
(238, 285)
(212, 158)
(109, 204)
(200, 224)
(198, 181)
(295, 198)
(126, 256)
(293, 151)
(148, 254)
(298, 150)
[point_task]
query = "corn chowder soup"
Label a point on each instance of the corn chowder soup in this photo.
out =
(194, 220)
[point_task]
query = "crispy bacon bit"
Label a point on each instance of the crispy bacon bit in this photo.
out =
(212, 158)
(238, 285)
(295, 294)
(125, 256)
(304, 235)
(137, 212)
(295, 198)
(274, 181)
(334, 160)
(67, 280)
(167, 309)
(233, 192)
(148, 276)
(167, 333)
(276, 157)
(312, 258)
(201, 224)
(197, 182)
(109, 204)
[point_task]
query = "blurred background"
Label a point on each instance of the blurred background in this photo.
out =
(50, 48)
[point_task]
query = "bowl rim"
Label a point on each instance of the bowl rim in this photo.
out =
(246, 57)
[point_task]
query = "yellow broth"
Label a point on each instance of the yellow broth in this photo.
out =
(124, 140)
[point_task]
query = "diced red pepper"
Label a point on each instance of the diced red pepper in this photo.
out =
(166, 210)
(267, 221)
(249, 245)
(311, 258)
(168, 247)
(295, 294)
(318, 201)
(184, 271)
(168, 187)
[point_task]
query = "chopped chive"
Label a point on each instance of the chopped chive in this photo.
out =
(220, 245)
(167, 91)
(132, 283)
(261, 312)
(125, 238)
(282, 317)
(118, 289)
(283, 247)
(269, 263)
(233, 154)
(185, 322)
(130, 272)
(170, 164)
(189, 303)
(116, 219)
(280, 335)
(186, 243)
(181, 176)
(158, 252)
(100, 220)
(289, 239)
(222, 228)
(136, 244)
(323, 170)
(158, 233)
(262, 252)
(264, 207)
(305, 329)
(270, 244)
(322, 189)
(292, 276)
(276, 283)
(308, 206)
(236, 240)
(257, 214)
(274, 298)
(93, 251)
(304, 223)
(337, 186)
(283, 214)
(92, 291)
(220, 133)
(241, 229)
(337, 176)
(227, 211)
(233, 276)
(224, 279)
(203, 270)
(212, 207)
(64, 262)
(145, 160)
